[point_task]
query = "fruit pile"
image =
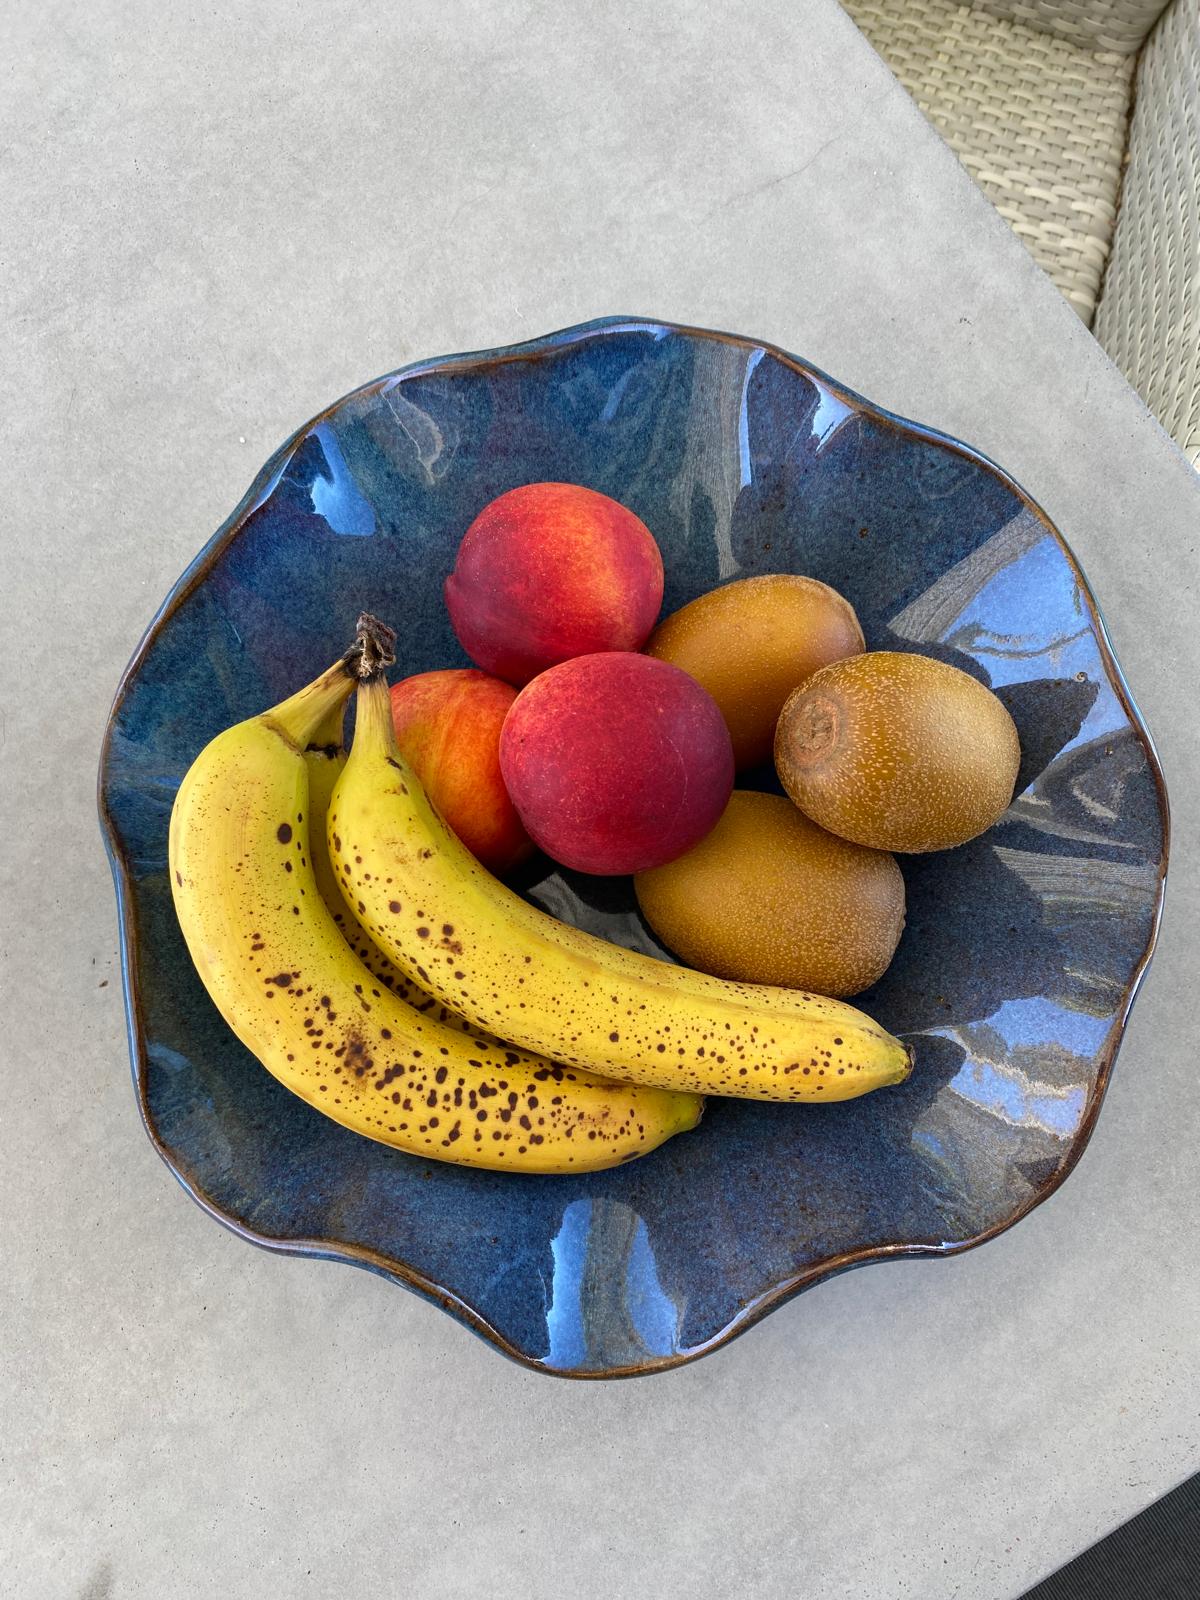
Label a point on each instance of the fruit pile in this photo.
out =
(342, 909)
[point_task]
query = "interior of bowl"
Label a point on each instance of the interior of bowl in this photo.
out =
(1022, 950)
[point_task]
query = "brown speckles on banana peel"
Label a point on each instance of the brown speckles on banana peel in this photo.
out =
(333, 1032)
(526, 976)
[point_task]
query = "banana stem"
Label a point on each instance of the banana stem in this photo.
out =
(373, 650)
(314, 714)
(327, 735)
(374, 730)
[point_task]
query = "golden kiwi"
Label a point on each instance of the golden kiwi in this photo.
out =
(898, 752)
(768, 897)
(751, 642)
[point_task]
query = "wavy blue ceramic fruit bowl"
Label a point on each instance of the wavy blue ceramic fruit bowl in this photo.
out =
(1022, 952)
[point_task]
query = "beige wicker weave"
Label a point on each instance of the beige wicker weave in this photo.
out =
(1039, 121)
(1034, 97)
(1119, 25)
(1149, 315)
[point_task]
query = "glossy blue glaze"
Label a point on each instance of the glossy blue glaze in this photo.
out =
(1022, 949)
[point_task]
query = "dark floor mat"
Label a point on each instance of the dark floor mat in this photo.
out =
(1156, 1556)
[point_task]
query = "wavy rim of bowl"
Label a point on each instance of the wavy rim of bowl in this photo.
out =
(776, 1294)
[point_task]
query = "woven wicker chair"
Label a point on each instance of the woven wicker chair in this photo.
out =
(1035, 97)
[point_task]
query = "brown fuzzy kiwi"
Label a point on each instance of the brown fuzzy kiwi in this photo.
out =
(768, 897)
(751, 642)
(898, 752)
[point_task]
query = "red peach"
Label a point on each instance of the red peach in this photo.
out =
(616, 762)
(448, 728)
(550, 571)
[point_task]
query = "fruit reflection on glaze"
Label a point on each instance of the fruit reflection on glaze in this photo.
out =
(286, 981)
(520, 973)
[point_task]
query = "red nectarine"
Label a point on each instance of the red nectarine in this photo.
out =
(448, 728)
(616, 762)
(550, 571)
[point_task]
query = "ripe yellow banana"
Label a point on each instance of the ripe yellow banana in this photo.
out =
(290, 987)
(324, 763)
(512, 969)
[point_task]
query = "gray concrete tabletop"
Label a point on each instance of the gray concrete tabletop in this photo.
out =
(215, 220)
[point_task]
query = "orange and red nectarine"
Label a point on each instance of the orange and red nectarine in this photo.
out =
(448, 728)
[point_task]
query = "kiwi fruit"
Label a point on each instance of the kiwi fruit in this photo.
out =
(898, 752)
(769, 897)
(751, 642)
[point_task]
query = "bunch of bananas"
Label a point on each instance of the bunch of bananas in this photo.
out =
(381, 974)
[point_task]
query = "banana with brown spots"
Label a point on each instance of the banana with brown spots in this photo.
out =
(279, 970)
(512, 969)
(325, 763)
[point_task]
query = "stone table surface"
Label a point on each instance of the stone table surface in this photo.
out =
(214, 220)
